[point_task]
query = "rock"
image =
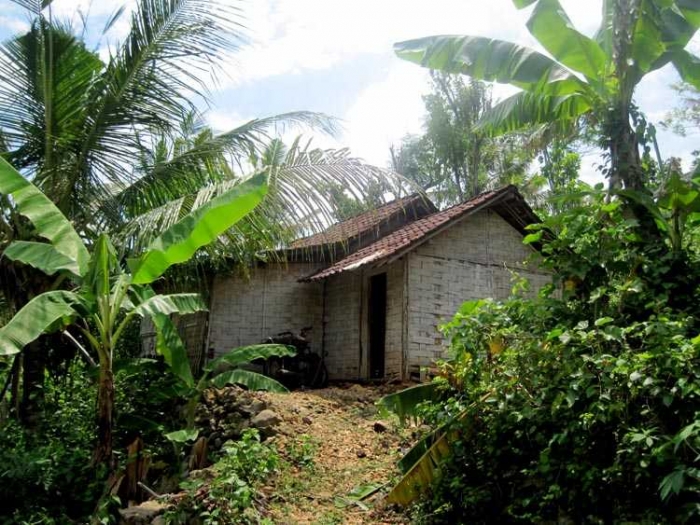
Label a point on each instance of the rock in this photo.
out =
(307, 420)
(257, 405)
(380, 426)
(142, 514)
(209, 397)
(160, 520)
(361, 454)
(253, 408)
(265, 419)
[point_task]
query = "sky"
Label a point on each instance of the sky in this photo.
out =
(336, 57)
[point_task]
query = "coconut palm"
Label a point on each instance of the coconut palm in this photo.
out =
(586, 79)
(111, 136)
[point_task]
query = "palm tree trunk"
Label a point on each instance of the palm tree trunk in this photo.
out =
(105, 405)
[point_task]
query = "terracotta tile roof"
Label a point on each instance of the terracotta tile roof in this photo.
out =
(411, 234)
(364, 223)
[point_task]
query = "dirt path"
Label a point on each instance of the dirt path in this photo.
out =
(333, 450)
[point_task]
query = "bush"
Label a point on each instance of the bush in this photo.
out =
(45, 475)
(228, 495)
(581, 408)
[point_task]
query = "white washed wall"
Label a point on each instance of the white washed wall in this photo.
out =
(247, 310)
(471, 260)
(342, 325)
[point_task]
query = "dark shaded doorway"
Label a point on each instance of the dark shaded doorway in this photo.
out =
(376, 320)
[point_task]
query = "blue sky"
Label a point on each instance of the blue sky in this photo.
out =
(336, 57)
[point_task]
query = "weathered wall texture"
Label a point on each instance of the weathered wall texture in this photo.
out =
(342, 325)
(394, 320)
(246, 310)
(471, 260)
(191, 328)
(346, 327)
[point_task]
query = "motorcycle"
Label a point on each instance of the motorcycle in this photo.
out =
(305, 369)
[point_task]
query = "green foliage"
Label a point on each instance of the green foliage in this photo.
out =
(580, 405)
(229, 496)
(45, 475)
(588, 82)
(106, 297)
(452, 160)
(224, 371)
(301, 451)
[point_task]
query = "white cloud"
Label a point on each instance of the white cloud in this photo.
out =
(291, 36)
(385, 112)
(294, 36)
(13, 24)
(222, 122)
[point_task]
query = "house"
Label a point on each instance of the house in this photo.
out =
(376, 287)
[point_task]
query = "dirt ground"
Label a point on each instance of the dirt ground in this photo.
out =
(337, 448)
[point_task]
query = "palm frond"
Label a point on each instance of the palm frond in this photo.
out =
(167, 60)
(33, 6)
(297, 203)
(173, 169)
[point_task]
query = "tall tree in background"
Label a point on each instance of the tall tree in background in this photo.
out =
(454, 160)
(589, 81)
(686, 117)
(109, 140)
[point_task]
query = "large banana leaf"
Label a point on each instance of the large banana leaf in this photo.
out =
(103, 267)
(524, 110)
(42, 256)
(46, 218)
(251, 380)
(690, 10)
(405, 402)
(688, 67)
(247, 354)
(182, 303)
(419, 449)
(422, 474)
(422, 463)
(552, 28)
(201, 227)
(492, 60)
(37, 317)
(171, 347)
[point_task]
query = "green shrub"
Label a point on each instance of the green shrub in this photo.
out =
(228, 495)
(582, 408)
(46, 475)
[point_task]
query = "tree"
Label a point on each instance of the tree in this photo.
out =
(589, 80)
(105, 297)
(453, 160)
(687, 116)
(118, 140)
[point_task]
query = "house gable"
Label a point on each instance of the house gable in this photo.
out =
(507, 202)
(478, 257)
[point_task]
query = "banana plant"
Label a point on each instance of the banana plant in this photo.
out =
(104, 296)
(585, 80)
(223, 371)
(675, 208)
(420, 466)
(226, 370)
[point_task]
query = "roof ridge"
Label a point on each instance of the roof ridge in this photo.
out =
(378, 208)
(408, 235)
(354, 226)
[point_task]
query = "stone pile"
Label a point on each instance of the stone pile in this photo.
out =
(223, 414)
